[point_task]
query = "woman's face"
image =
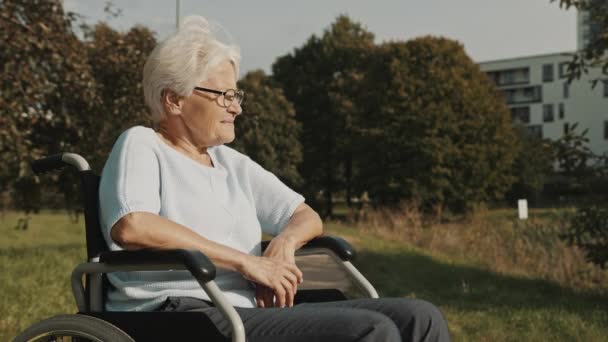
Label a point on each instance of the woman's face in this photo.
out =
(206, 115)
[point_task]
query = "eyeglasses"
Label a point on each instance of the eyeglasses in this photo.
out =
(229, 95)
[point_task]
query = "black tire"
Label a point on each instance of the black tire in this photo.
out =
(80, 327)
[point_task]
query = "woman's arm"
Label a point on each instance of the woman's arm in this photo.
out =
(304, 225)
(139, 230)
(146, 230)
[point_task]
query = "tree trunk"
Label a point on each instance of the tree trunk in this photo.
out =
(349, 176)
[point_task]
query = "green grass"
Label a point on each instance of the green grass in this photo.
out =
(480, 304)
(35, 265)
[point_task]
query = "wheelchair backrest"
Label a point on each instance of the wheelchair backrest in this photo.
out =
(90, 187)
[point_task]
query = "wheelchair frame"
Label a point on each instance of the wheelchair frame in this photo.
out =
(102, 261)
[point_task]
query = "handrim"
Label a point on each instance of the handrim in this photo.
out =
(62, 332)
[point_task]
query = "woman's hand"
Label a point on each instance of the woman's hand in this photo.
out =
(280, 248)
(278, 276)
(264, 296)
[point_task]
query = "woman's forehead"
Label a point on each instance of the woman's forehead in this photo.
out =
(222, 75)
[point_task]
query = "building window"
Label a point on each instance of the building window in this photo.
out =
(523, 95)
(520, 114)
(536, 130)
(563, 69)
(510, 76)
(562, 111)
(606, 130)
(566, 127)
(547, 72)
(605, 88)
(548, 112)
(594, 31)
(585, 17)
(567, 90)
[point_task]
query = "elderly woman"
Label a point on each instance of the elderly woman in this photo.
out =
(179, 186)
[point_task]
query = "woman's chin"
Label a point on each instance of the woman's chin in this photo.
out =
(228, 138)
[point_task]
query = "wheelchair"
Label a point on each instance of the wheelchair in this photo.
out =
(89, 284)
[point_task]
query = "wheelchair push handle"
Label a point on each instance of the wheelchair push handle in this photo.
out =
(58, 161)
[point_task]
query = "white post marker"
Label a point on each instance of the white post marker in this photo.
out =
(522, 209)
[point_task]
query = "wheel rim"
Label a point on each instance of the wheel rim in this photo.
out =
(63, 335)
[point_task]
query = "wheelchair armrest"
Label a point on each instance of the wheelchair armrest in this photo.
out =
(196, 262)
(339, 246)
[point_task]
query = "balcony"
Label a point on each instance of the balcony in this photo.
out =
(510, 76)
(532, 94)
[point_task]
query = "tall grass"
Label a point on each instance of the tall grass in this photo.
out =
(496, 240)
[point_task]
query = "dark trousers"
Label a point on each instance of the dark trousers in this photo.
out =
(365, 320)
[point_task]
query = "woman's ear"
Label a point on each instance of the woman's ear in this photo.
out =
(172, 102)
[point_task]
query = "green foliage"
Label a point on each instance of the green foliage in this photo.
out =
(267, 131)
(322, 79)
(594, 54)
(533, 166)
(588, 230)
(573, 153)
(415, 120)
(117, 60)
(45, 82)
(586, 172)
(440, 130)
(581, 171)
(60, 94)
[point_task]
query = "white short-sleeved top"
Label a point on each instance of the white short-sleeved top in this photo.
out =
(231, 203)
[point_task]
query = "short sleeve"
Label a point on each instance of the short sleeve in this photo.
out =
(274, 201)
(130, 181)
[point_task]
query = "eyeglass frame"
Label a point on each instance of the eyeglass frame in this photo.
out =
(223, 93)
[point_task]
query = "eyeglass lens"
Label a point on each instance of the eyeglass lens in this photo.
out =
(231, 95)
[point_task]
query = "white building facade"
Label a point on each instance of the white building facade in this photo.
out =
(539, 96)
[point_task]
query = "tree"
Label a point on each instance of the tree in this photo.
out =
(438, 131)
(267, 131)
(533, 165)
(59, 93)
(573, 153)
(45, 80)
(594, 54)
(320, 79)
(588, 230)
(117, 60)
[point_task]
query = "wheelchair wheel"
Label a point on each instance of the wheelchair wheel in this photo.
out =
(73, 328)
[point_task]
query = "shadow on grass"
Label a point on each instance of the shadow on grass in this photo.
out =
(403, 273)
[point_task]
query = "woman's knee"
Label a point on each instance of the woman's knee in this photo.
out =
(374, 326)
(425, 320)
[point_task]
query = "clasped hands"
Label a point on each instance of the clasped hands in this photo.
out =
(275, 274)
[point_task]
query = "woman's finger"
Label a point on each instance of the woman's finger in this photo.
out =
(293, 268)
(293, 279)
(259, 296)
(290, 292)
(268, 297)
(280, 292)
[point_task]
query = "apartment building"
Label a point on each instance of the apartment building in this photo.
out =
(539, 96)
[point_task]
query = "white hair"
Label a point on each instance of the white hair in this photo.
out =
(183, 60)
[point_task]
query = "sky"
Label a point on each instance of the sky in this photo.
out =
(267, 29)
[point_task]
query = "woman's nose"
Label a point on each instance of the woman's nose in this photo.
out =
(235, 108)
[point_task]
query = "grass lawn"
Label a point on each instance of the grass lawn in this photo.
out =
(479, 303)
